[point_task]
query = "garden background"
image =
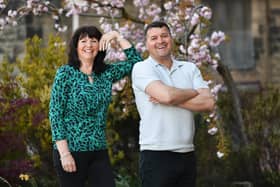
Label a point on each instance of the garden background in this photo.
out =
(235, 44)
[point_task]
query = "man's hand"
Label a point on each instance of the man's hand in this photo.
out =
(153, 100)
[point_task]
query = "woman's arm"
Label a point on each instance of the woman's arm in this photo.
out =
(110, 38)
(67, 160)
(56, 114)
(120, 69)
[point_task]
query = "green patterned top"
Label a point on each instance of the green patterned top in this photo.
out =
(78, 108)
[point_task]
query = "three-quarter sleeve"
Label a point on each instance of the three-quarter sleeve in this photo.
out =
(120, 69)
(58, 101)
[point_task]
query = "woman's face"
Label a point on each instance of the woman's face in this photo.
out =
(87, 49)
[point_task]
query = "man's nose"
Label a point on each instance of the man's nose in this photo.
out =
(160, 39)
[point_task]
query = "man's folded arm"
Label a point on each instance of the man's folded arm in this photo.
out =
(169, 95)
(203, 102)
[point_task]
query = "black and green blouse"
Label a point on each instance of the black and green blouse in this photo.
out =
(78, 108)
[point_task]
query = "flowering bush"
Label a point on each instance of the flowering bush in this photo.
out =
(25, 145)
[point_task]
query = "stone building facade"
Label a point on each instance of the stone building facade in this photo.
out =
(253, 53)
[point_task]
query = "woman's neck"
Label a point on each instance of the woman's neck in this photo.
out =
(86, 67)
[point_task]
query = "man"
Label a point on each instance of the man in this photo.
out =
(167, 92)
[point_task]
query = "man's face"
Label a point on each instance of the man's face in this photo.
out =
(159, 42)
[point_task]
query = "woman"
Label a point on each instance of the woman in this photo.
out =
(80, 97)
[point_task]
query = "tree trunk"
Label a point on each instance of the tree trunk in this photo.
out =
(232, 89)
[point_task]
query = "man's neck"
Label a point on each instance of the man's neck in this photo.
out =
(165, 61)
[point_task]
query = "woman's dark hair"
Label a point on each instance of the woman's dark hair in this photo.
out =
(73, 58)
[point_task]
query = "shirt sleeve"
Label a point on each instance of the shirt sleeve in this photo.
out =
(58, 104)
(143, 74)
(198, 81)
(120, 69)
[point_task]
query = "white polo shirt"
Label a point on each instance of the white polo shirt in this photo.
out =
(165, 127)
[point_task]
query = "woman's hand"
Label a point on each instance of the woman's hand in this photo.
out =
(112, 38)
(107, 38)
(68, 162)
(66, 158)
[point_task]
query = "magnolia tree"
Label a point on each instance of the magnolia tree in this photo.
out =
(190, 28)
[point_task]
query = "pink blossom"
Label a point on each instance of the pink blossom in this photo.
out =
(182, 49)
(117, 3)
(55, 17)
(153, 10)
(12, 13)
(216, 89)
(2, 6)
(214, 64)
(139, 3)
(168, 5)
(106, 27)
(140, 47)
(194, 19)
(220, 154)
(60, 11)
(217, 56)
(188, 12)
(206, 13)
(217, 38)
(212, 131)
(212, 115)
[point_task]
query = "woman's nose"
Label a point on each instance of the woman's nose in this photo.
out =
(89, 43)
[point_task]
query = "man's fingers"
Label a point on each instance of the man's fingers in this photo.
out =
(153, 100)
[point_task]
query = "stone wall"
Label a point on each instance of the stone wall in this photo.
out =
(266, 34)
(12, 42)
(275, 41)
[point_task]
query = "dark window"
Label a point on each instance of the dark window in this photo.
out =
(234, 18)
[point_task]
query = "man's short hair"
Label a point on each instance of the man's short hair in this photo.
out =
(156, 24)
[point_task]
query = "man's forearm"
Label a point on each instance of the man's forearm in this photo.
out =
(179, 96)
(169, 95)
(200, 103)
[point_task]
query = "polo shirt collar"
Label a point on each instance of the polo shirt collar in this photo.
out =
(175, 63)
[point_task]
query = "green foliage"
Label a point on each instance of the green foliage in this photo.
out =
(263, 128)
(25, 91)
(123, 121)
(37, 71)
(259, 161)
